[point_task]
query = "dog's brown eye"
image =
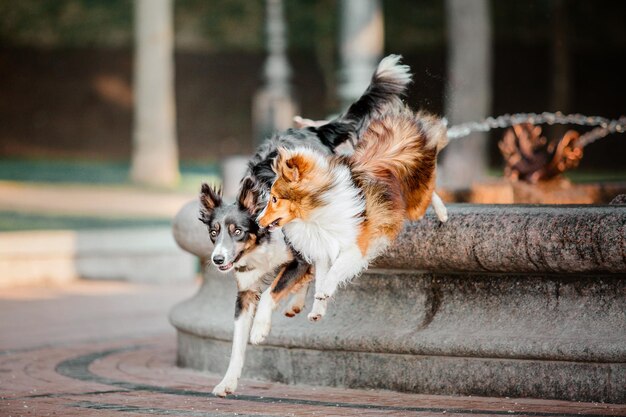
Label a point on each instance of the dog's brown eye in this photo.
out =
(274, 199)
(213, 233)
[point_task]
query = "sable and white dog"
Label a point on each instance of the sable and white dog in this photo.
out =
(341, 212)
(259, 256)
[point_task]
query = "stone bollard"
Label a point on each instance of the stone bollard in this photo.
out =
(519, 301)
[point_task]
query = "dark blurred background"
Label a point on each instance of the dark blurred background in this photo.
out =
(66, 69)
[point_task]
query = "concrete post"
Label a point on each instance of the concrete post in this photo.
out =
(232, 170)
(361, 46)
(469, 89)
(155, 152)
(273, 106)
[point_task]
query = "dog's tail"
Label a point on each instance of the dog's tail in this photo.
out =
(434, 129)
(398, 142)
(384, 94)
(400, 151)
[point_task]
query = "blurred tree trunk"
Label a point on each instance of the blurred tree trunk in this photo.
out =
(468, 90)
(560, 66)
(155, 151)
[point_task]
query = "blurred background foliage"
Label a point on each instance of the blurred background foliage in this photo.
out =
(66, 68)
(237, 25)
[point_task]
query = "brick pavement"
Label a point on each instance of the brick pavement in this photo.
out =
(128, 368)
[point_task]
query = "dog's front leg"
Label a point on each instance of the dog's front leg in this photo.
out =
(348, 264)
(244, 313)
(290, 278)
(319, 303)
(263, 319)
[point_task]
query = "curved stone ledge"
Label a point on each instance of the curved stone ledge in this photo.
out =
(517, 301)
(417, 374)
(442, 315)
(515, 239)
(547, 334)
(483, 238)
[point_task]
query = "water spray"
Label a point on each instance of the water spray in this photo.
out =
(531, 157)
(604, 126)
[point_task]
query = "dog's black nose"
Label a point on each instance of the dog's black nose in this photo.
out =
(218, 259)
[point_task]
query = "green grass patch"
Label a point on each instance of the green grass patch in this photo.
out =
(96, 172)
(16, 221)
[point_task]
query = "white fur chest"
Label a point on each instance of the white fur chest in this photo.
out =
(332, 227)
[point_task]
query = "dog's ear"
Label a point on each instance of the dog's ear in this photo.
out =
(248, 197)
(283, 167)
(210, 197)
(291, 166)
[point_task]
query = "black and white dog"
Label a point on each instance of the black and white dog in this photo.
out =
(265, 267)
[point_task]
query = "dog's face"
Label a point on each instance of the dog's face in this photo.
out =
(277, 213)
(290, 196)
(232, 228)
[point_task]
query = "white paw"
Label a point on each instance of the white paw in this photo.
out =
(443, 217)
(315, 316)
(260, 330)
(227, 386)
(318, 310)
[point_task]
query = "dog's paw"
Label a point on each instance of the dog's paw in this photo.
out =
(443, 217)
(318, 310)
(226, 387)
(293, 310)
(260, 330)
(315, 316)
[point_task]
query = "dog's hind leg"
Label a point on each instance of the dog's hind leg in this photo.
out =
(440, 208)
(296, 304)
(244, 313)
(290, 277)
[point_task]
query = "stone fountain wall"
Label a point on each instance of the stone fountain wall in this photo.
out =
(523, 301)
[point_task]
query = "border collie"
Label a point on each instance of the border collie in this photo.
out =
(341, 212)
(260, 257)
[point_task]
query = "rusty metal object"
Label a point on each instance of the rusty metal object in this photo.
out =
(531, 157)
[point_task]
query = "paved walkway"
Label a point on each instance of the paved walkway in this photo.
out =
(106, 349)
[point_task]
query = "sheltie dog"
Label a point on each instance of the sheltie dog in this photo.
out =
(341, 212)
(259, 256)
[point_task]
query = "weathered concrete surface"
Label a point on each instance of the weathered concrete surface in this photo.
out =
(554, 239)
(443, 314)
(413, 373)
(511, 320)
(538, 336)
(480, 238)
